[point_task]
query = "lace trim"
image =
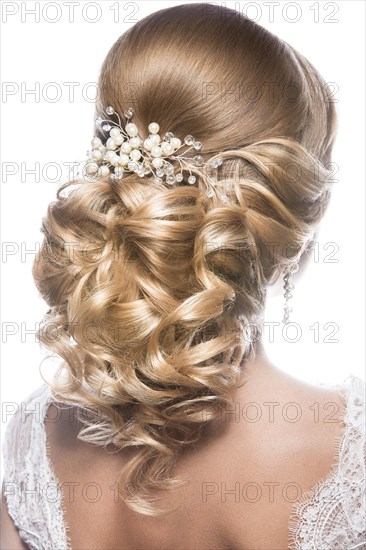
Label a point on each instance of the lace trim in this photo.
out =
(52, 474)
(331, 514)
(28, 469)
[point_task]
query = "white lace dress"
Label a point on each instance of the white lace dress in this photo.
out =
(331, 516)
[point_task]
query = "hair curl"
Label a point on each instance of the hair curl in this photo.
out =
(155, 291)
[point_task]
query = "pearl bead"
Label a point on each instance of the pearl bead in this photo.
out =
(103, 171)
(148, 144)
(115, 159)
(155, 139)
(109, 156)
(114, 132)
(96, 154)
(156, 151)
(126, 148)
(124, 159)
(111, 144)
(135, 154)
(167, 149)
(154, 128)
(96, 142)
(135, 142)
(119, 139)
(176, 142)
(157, 162)
(131, 129)
(92, 168)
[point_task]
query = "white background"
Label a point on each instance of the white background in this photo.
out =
(38, 129)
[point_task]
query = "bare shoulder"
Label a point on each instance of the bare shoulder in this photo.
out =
(299, 418)
(280, 439)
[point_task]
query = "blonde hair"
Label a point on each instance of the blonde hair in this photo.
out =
(156, 291)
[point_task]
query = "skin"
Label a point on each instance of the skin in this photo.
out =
(262, 453)
(10, 539)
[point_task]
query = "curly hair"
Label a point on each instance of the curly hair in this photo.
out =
(155, 292)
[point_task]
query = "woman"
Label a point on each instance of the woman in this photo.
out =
(155, 267)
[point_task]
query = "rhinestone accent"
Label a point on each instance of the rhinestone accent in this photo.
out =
(199, 160)
(189, 140)
(288, 286)
(170, 179)
(216, 162)
(168, 169)
(118, 172)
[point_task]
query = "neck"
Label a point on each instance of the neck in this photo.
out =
(253, 371)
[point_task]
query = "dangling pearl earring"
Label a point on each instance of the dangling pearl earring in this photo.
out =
(288, 286)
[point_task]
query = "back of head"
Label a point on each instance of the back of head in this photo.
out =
(157, 301)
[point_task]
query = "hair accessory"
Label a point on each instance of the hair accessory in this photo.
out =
(120, 150)
(288, 286)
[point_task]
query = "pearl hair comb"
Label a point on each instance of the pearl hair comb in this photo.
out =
(122, 150)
